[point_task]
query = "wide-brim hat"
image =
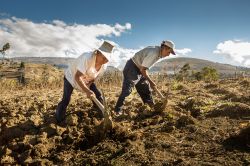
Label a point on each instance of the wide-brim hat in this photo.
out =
(106, 49)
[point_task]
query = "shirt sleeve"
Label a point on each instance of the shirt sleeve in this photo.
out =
(81, 64)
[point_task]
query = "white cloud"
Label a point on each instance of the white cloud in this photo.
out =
(59, 39)
(54, 39)
(121, 55)
(182, 52)
(236, 50)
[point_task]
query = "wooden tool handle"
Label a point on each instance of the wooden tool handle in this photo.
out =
(159, 93)
(98, 103)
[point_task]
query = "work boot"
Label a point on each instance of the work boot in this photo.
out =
(117, 114)
(60, 115)
(150, 104)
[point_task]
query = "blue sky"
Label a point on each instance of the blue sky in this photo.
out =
(199, 25)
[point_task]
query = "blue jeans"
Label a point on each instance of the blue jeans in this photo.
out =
(133, 77)
(67, 91)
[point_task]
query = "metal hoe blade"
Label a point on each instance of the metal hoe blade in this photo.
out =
(164, 99)
(107, 122)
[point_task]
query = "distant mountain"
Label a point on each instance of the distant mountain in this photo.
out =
(175, 64)
(57, 61)
(168, 65)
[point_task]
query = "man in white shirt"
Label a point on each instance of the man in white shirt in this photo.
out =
(81, 74)
(135, 73)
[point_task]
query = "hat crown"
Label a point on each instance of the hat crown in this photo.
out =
(169, 43)
(106, 47)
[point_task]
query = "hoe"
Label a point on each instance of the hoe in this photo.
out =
(107, 119)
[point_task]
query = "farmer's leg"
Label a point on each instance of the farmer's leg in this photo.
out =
(98, 94)
(143, 89)
(130, 75)
(62, 106)
(126, 90)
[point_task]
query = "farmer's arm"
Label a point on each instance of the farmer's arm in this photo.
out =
(147, 62)
(144, 72)
(80, 82)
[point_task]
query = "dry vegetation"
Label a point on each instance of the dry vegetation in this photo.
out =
(205, 123)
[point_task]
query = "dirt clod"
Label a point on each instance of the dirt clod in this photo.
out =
(204, 124)
(185, 120)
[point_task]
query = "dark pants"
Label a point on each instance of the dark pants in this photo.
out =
(67, 91)
(133, 77)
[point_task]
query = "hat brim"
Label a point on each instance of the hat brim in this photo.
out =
(105, 54)
(172, 52)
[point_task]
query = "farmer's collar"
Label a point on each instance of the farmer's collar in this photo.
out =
(160, 56)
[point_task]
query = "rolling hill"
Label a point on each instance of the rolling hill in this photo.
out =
(169, 66)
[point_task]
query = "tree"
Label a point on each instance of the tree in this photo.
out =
(22, 65)
(5, 48)
(183, 73)
(197, 75)
(206, 74)
(210, 74)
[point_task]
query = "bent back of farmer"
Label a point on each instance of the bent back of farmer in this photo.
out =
(135, 73)
(81, 75)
